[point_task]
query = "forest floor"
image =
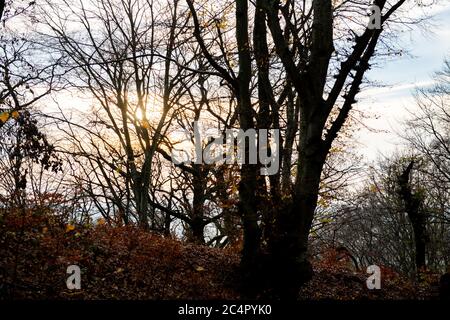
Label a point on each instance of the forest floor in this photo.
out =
(127, 263)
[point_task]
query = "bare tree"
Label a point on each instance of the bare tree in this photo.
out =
(325, 73)
(116, 57)
(24, 82)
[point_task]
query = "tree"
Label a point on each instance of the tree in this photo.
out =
(413, 206)
(293, 66)
(395, 219)
(428, 134)
(119, 66)
(428, 129)
(9, 9)
(24, 82)
(325, 73)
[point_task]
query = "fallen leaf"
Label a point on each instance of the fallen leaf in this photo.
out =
(70, 227)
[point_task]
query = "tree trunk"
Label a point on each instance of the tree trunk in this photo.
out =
(2, 8)
(197, 227)
(141, 196)
(290, 244)
(413, 207)
(197, 223)
(290, 265)
(249, 172)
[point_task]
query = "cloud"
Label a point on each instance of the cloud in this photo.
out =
(395, 89)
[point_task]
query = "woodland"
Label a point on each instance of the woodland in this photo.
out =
(100, 99)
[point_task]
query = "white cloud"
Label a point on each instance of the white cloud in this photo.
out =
(374, 92)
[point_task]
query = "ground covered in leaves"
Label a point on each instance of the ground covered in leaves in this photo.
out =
(126, 263)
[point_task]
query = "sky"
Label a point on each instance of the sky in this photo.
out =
(392, 104)
(401, 76)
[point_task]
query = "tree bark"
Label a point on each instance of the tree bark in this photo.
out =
(2, 8)
(249, 172)
(293, 224)
(413, 207)
(197, 223)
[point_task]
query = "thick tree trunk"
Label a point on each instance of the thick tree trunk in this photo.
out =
(197, 223)
(249, 215)
(268, 200)
(197, 227)
(289, 248)
(249, 172)
(420, 243)
(141, 196)
(413, 208)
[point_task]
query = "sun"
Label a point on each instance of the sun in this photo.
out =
(139, 115)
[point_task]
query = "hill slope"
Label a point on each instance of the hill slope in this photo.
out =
(127, 263)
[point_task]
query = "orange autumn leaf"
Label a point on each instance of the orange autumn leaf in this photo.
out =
(4, 116)
(70, 227)
(15, 114)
